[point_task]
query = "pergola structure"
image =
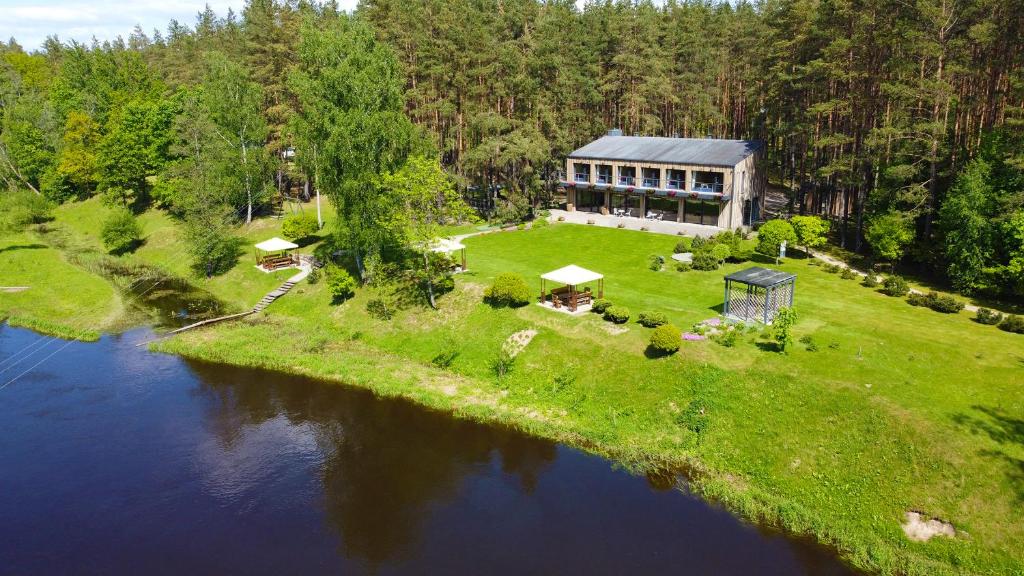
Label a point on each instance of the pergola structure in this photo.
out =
(450, 246)
(757, 293)
(571, 277)
(275, 253)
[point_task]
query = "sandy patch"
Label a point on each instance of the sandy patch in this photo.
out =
(614, 329)
(921, 528)
(517, 342)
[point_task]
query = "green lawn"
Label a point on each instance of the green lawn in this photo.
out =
(901, 408)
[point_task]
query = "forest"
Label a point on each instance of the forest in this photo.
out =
(901, 121)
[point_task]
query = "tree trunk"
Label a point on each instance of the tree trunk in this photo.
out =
(430, 280)
(248, 184)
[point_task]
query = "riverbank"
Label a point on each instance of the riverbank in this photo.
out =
(883, 408)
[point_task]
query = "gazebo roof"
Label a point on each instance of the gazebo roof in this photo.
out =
(572, 275)
(762, 277)
(447, 245)
(276, 244)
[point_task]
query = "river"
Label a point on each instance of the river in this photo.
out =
(116, 460)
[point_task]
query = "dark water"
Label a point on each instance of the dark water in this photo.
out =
(114, 460)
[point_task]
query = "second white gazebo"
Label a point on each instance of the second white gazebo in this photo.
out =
(571, 277)
(450, 246)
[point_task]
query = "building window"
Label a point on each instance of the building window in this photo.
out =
(627, 176)
(589, 200)
(675, 179)
(627, 205)
(701, 211)
(604, 174)
(708, 181)
(651, 177)
(581, 172)
(667, 208)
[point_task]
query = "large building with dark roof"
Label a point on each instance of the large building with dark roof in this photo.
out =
(704, 181)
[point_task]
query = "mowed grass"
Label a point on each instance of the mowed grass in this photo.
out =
(901, 408)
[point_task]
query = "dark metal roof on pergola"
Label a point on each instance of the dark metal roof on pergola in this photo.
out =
(763, 277)
(758, 293)
(693, 151)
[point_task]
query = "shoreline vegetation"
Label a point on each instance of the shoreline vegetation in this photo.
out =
(881, 407)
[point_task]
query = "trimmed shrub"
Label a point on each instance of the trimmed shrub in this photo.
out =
(600, 305)
(656, 263)
(684, 267)
(697, 242)
(509, 289)
(721, 252)
(121, 232)
(831, 268)
(848, 274)
(539, 223)
(705, 260)
(895, 286)
(939, 302)
(1012, 323)
(666, 339)
(684, 245)
(989, 317)
(298, 226)
(870, 281)
(617, 314)
(652, 319)
(741, 254)
(340, 283)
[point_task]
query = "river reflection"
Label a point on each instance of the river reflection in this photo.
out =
(115, 460)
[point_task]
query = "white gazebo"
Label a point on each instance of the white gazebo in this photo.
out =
(450, 246)
(275, 253)
(571, 277)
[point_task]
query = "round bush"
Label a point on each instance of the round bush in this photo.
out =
(617, 314)
(666, 339)
(895, 286)
(1013, 324)
(298, 226)
(340, 283)
(721, 252)
(684, 245)
(986, 316)
(600, 305)
(509, 289)
(652, 319)
(121, 232)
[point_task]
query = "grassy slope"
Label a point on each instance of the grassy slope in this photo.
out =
(902, 408)
(62, 298)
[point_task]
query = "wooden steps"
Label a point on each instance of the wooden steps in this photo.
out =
(273, 295)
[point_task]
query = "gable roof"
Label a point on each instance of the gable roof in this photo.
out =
(700, 151)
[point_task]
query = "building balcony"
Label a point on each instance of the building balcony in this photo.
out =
(604, 178)
(651, 182)
(582, 177)
(627, 181)
(676, 184)
(707, 187)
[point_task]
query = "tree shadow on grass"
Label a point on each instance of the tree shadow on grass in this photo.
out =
(769, 347)
(14, 247)
(130, 248)
(718, 308)
(1004, 429)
